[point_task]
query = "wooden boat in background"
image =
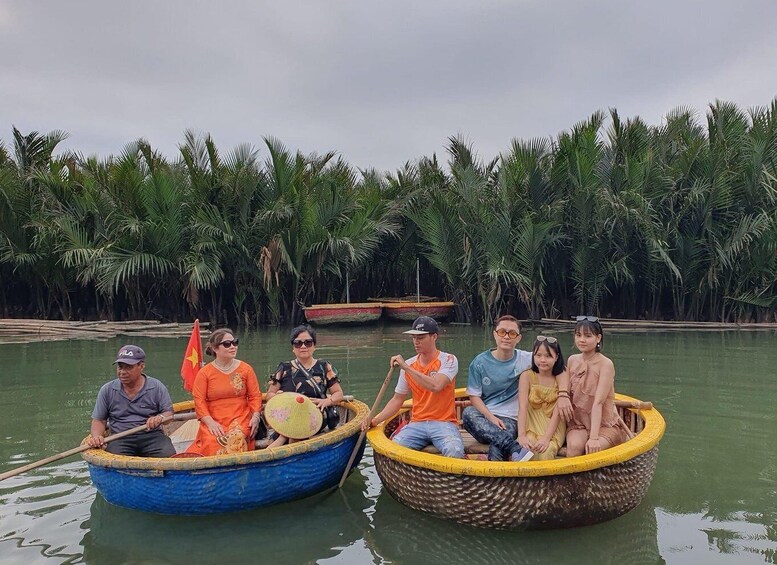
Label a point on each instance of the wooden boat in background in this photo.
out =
(227, 483)
(409, 308)
(562, 493)
(406, 310)
(355, 313)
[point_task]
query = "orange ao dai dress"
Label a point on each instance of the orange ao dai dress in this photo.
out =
(230, 399)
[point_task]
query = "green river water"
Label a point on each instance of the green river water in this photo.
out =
(713, 498)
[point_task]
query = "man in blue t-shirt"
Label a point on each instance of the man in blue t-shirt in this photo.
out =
(492, 385)
(128, 401)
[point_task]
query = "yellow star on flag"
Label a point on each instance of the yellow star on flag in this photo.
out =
(194, 358)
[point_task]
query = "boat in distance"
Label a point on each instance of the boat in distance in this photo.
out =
(348, 313)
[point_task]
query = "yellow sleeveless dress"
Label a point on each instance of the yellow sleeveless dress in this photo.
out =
(542, 401)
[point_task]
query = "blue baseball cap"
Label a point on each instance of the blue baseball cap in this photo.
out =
(130, 355)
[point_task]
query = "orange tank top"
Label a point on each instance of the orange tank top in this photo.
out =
(428, 405)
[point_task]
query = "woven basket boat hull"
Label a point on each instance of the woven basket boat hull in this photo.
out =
(562, 493)
(357, 313)
(409, 311)
(227, 483)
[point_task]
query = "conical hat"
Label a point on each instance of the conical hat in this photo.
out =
(293, 415)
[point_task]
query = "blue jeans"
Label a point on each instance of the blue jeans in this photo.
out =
(503, 442)
(444, 436)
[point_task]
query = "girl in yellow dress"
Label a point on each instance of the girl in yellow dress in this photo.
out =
(540, 427)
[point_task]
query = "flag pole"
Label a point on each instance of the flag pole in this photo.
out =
(192, 357)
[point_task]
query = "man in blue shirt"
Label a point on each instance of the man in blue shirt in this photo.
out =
(131, 400)
(492, 385)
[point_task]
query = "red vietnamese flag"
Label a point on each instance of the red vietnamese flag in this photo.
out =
(192, 359)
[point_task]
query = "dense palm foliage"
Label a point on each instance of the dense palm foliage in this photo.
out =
(613, 217)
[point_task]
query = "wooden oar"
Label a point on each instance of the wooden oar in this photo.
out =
(634, 404)
(80, 448)
(373, 411)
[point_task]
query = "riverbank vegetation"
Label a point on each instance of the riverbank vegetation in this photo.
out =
(613, 217)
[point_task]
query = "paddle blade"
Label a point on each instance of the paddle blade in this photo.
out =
(192, 358)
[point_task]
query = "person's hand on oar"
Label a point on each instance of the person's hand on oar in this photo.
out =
(398, 361)
(154, 422)
(368, 423)
(97, 431)
(97, 442)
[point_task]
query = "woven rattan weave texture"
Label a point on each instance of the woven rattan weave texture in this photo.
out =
(516, 503)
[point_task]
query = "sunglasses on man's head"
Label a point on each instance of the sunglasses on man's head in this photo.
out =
(227, 343)
(587, 318)
(512, 334)
(300, 342)
(548, 339)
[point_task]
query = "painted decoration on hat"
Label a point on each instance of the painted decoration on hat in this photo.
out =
(293, 415)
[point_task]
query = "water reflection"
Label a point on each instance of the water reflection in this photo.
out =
(305, 531)
(713, 498)
(742, 538)
(402, 535)
(39, 513)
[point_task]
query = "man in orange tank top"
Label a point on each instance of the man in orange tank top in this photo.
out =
(430, 376)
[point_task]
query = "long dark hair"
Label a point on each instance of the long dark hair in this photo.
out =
(558, 366)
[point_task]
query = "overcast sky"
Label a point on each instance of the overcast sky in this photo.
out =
(379, 82)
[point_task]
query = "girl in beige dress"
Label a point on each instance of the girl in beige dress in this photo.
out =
(595, 424)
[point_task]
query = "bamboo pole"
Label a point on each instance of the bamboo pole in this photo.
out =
(370, 416)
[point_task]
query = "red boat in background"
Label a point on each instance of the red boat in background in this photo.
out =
(355, 313)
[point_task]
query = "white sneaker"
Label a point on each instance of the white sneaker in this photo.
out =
(522, 455)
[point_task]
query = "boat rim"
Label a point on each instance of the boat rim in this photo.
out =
(643, 442)
(363, 305)
(102, 458)
(419, 305)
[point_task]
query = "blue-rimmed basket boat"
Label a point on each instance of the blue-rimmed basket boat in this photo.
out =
(227, 483)
(561, 493)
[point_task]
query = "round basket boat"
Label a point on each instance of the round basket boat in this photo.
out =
(562, 493)
(226, 483)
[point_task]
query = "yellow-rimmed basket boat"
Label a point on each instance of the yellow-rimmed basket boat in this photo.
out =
(231, 482)
(562, 493)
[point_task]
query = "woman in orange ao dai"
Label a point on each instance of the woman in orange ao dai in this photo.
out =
(227, 400)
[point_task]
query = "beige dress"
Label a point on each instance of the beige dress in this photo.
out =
(582, 388)
(542, 401)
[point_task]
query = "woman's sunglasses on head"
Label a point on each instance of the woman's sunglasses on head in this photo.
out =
(297, 343)
(512, 334)
(587, 318)
(548, 339)
(227, 343)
